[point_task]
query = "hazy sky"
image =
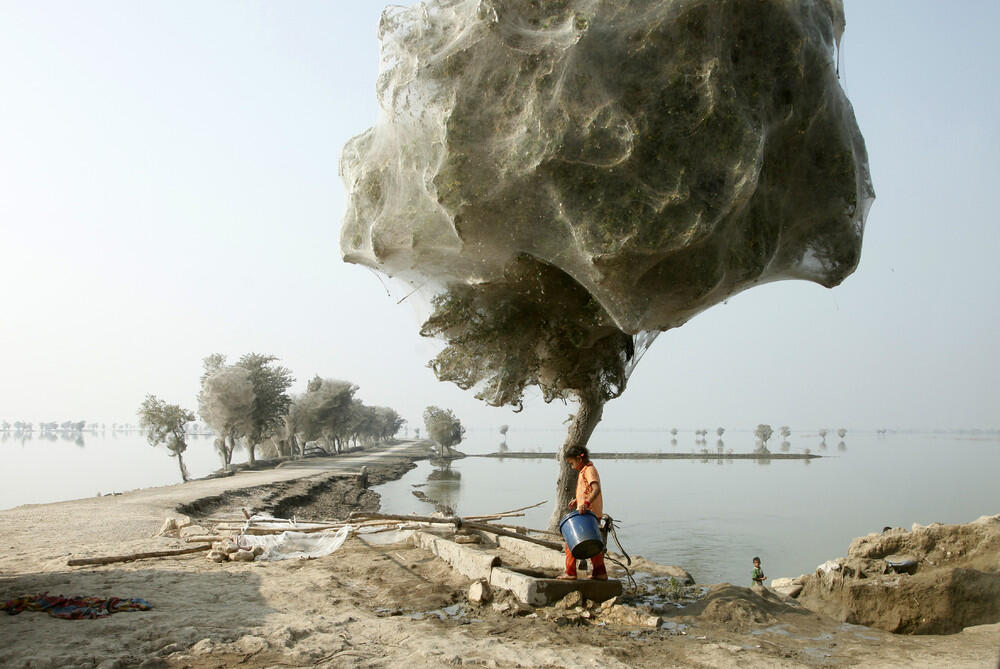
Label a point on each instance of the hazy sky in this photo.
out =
(169, 189)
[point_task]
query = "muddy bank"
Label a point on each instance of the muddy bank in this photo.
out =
(323, 496)
(935, 579)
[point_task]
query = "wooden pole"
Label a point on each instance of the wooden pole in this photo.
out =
(110, 559)
(472, 526)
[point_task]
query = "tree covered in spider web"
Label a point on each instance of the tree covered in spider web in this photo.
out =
(537, 327)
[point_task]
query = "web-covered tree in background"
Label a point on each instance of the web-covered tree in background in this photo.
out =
(165, 423)
(443, 427)
(225, 403)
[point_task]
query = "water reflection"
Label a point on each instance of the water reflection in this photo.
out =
(24, 436)
(785, 446)
(841, 446)
(443, 487)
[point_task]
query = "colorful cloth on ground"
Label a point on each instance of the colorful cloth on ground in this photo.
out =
(74, 608)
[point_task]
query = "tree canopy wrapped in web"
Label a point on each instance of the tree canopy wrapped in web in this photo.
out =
(664, 155)
(570, 177)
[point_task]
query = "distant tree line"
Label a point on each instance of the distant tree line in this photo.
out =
(247, 404)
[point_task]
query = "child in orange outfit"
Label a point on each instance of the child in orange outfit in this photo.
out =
(588, 498)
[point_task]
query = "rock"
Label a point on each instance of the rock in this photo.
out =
(203, 647)
(250, 644)
(218, 556)
(630, 616)
(571, 600)
(827, 567)
(522, 609)
(113, 663)
(168, 529)
(258, 551)
(193, 531)
(608, 603)
(242, 556)
(468, 539)
(154, 663)
(789, 587)
(479, 592)
(502, 607)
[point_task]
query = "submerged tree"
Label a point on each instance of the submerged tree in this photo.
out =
(443, 427)
(763, 432)
(164, 424)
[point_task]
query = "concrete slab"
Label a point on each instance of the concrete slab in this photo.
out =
(537, 556)
(476, 562)
(546, 591)
(552, 589)
(468, 560)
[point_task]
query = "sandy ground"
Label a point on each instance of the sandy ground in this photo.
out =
(370, 605)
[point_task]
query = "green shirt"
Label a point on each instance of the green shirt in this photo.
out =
(758, 575)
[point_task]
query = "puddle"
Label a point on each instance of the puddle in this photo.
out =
(675, 628)
(665, 593)
(457, 612)
(859, 631)
(783, 631)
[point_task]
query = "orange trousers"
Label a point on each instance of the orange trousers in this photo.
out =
(598, 562)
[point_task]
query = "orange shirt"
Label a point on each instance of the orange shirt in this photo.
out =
(584, 479)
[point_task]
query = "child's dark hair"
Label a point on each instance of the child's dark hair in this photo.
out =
(578, 451)
(756, 559)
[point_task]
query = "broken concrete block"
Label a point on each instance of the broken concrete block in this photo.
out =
(479, 592)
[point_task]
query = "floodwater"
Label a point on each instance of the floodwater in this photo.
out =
(55, 467)
(709, 516)
(713, 516)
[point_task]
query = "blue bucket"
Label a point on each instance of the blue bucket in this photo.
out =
(582, 532)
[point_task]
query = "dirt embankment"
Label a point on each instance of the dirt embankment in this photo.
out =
(935, 579)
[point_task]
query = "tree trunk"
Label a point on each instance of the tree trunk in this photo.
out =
(251, 448)
(180, 463)
(590, 408)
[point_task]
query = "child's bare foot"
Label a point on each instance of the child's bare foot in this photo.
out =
(566, 577)
(599, 577)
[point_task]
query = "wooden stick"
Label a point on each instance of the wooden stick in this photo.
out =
(556, 546)
(523, 508)
(76, 562)
(494, 516)
(204, 539)
(526, 530)
(492, 529)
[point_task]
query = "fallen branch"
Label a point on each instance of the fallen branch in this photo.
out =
(523, 508)
(493, 516)
(110, 559)
(492, 529)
